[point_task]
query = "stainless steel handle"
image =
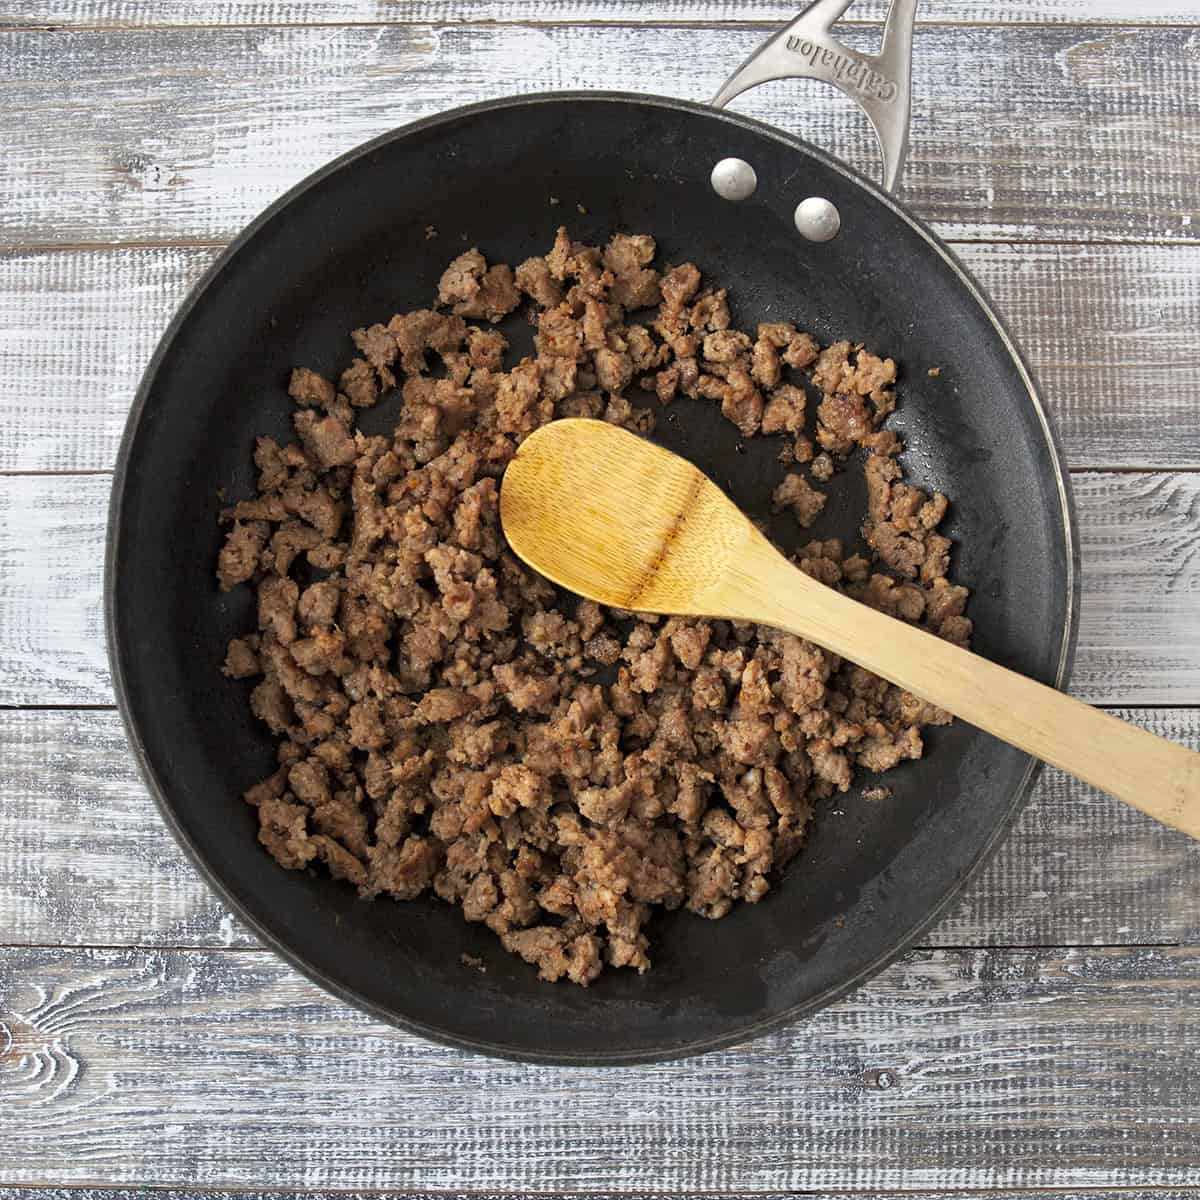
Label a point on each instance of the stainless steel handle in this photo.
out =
(880, 84)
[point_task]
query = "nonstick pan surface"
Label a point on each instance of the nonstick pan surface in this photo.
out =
(349, 247)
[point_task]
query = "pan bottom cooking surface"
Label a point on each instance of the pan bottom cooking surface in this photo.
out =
(350, 245)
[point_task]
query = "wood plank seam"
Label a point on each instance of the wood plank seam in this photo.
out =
(101, 1191)
(764, 25)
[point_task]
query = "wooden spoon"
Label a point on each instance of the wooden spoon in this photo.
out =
(619, 520)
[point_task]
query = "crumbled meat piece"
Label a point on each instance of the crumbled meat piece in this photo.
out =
(405, 871)
(785, 410)
(689, 642)
(956, 630)
(726, 346)
(635, 284)
(322, 653)
(801, 350)
(742, 402)
(766, 367)
(462, 279)
(440, 705)
(519, 403)
(289, 540)
(614, 370)
(240, 660)
(359, 384)
(495, 298)
(318, 604)
(378, 346)
(776, 333)
(239, 556)
(679, 285)
(796, 493)
(485, 348)
(282, 829)
(643, 351)
(277, 608)
(327, 439)
(424, 330)
(711, 311)
(555, 953)
(447, 723)
(884, 442)
(831, 367)
(274, 465)
(308, 388)
(872, 375)
(604, 649)
(842, 420)
(559, 334)
(626, 253)
(341, 863)
(534, 279)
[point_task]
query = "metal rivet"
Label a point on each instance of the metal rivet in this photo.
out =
(734, 179)
(817, 219)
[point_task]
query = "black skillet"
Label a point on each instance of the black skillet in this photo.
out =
(347, 247)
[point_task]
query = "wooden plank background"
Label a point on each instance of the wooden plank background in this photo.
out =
(931, 1077)
(96, 1193)
(1046, 1036)
(1053, 139)
(139, 13)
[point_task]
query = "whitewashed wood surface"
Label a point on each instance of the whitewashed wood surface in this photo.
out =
(1048, 1033)
(229, 1068)
(1030, 131)
(140, 13)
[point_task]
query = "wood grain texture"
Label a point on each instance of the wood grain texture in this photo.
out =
(86, 860)
(121, 13)
(77, 329)
(85, 1193)
(51, 572)
(84, 856)
(1022, 1068)
(1019, 131)
(1109, 330)
(1141, 561)
(1139, 640)
(97, 1193)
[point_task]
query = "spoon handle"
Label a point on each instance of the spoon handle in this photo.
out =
(1146, 771)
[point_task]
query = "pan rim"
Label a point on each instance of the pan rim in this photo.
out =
(209, 872)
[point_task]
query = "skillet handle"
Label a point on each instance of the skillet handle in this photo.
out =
(880, 84)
